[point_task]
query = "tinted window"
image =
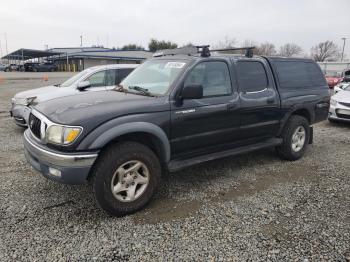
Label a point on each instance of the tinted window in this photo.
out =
(251, 76)
(297, 74)
(97, 79)
(123, 73)
(110, 78)
(213, 76)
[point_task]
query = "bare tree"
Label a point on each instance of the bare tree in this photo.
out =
(325, 51)
(265, 49)
(290, 49)
(226, 43)
(249, 43)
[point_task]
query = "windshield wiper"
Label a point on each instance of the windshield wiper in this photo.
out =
(141, 90)
(58, 85)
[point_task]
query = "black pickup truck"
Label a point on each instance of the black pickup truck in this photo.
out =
(175, 110)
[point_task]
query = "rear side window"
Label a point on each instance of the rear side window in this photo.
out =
(251, 76)
(110, 77)
(295, 74)
(122, 73)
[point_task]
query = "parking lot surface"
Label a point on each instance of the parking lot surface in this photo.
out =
(251, 207)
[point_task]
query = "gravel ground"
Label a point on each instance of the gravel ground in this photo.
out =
(252, 207)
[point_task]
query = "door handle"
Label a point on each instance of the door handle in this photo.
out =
(270, 100)
(231, 106)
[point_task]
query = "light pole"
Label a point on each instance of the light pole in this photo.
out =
(342, 53)
(7, 52)
(81, 41)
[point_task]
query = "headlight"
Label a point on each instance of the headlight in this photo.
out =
(63, 135)
(23, 101)
(333, 102)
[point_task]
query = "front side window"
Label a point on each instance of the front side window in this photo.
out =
(213, 76)
(251, 76)
(71, 81)
(155, 75)
(97, 79)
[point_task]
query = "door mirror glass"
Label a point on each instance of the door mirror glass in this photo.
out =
(192, 92)
(83, 85)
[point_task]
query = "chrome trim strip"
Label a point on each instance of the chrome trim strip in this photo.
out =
(256, 92)
(45, 121)
(63, 160)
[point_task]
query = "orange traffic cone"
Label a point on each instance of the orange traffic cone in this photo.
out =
(45, 78)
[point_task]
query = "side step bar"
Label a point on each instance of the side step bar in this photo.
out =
(178, 164)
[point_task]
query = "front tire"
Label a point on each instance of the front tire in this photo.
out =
(125, 178)
(295, 135)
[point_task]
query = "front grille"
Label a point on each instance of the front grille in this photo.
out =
(345, 104)
(343, 116)
(34, 125)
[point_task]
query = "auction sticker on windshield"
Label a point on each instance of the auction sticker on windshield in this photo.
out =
(174, 65)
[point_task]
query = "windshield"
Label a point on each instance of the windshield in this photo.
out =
(154, 76)
(75, 78)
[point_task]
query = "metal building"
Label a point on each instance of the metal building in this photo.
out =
(78, 58)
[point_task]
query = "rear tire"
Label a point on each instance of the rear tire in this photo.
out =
(295, 137)
(125, 178)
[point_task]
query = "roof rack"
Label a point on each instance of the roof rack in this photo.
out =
(188, 50)
(248, 50)
(203, 50)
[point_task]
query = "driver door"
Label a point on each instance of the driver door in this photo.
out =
(200, 126)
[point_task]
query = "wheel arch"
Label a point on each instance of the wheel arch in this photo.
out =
(145, 133)
(303, 111)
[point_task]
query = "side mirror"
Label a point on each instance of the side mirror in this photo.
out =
(83, 85)
(192, 92)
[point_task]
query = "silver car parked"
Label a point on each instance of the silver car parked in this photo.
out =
(340, 106)
(91, 79)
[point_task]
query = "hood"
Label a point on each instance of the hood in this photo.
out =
(83, 109)
(342, 96)
(46, 93)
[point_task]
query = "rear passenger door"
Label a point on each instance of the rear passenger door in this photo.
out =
(259, 100)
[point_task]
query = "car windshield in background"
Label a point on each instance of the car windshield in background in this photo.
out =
(154, 77)
(75, 78)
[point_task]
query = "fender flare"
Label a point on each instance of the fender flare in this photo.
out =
(291, 111)
(94, 141)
